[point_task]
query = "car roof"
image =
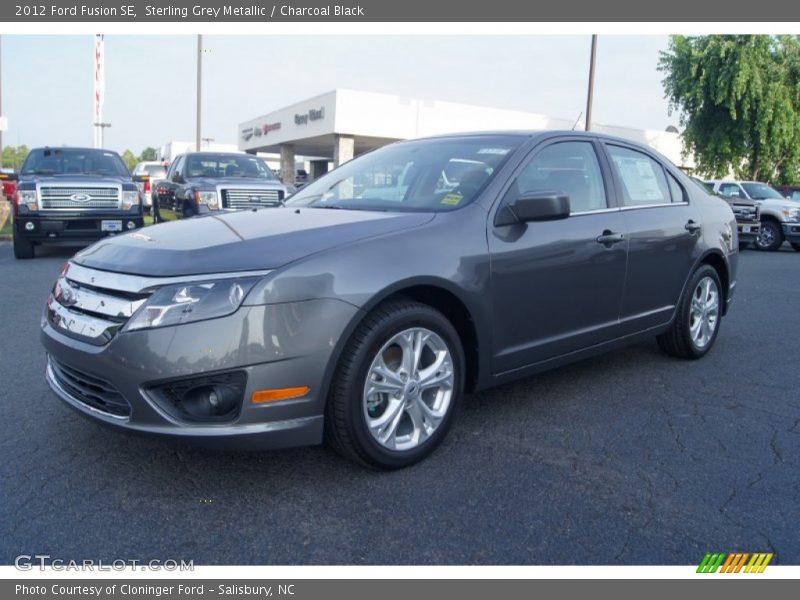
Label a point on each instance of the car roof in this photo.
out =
(80, 148)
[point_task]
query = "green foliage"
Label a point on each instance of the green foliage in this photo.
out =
(738, 97)
(130, 159)
(148, 153)
(13, 156)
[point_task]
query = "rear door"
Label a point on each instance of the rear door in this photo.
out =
(663, 234)
(557, 285)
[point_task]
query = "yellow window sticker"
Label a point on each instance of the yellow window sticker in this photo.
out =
(452, 199)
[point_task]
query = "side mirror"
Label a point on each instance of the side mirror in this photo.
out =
(541, 205)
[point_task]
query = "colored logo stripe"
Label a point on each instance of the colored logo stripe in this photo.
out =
(734, 562)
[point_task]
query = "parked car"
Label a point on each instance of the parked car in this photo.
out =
(366, 324)
(71, 196)
(780, 216)
(200, 182)
(792, 192)
(746, 211)
(145, 174)
(8, 179)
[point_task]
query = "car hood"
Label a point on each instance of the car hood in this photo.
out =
(778, 203)
(240, 241)
(249, 182)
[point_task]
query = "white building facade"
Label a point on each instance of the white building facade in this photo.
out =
(338, 125)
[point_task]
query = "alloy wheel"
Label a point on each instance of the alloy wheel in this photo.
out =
(408, 389)
(704, 312)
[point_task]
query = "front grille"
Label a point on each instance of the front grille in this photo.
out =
(79, 197)
(745, 213)
(90, 390)
(90, 312)
(250, 198)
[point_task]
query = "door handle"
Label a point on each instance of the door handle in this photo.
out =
(693, 227)
(609, 238)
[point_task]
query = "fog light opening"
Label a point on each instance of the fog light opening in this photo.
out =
(210, 401)
(30, 226)
(131, 225)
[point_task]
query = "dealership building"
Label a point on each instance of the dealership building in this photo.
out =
(334, 127)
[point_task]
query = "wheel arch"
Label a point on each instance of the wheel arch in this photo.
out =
(433, 292)
(715, 259)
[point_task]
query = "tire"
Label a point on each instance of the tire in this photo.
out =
(770, 237)
(23, 249)
(680, 340)
(187, 212)
(376, 346)
(796, 246)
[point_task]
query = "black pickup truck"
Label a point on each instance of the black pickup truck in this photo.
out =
(69, 196)
(200, 182)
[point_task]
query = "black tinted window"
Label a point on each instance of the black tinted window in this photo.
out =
(226, 165)
(74, 161)
(569, 167)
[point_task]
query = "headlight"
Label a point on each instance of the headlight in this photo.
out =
(791, 214)
(186, 303)
(207, 198)
(27, 198)
(129, 199)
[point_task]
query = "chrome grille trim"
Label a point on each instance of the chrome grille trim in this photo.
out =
(234, 197)
(60, 197)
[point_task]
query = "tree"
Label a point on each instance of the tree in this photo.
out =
(148, 153)
(130, 159)
(14, 156)
(738, 97)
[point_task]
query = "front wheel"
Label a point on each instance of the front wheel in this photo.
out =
(696, 324)
(23, 249)
(770, 237)
(796, 246)
(396, 387)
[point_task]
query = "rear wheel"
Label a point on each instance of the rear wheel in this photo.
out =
(397, 386)
(23, 248)
(188, 211)
(697, 321)
(770, 237)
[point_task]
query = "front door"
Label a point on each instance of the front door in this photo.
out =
(557, 285)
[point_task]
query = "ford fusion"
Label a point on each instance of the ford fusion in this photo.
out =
(363, 310)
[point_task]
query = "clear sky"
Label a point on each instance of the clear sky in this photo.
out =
(150, 80)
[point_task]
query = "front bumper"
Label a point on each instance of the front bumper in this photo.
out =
(71, 228)
(791, 231)
(748, 232)
(277, 346)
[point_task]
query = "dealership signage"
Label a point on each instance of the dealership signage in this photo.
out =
(250, 132)
(315, 114)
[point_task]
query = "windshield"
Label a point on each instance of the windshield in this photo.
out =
(227, 165)
(760, 191)
(74, 161)
(426, 175)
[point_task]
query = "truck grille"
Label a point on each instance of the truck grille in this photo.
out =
(79, 197)
(745, 213)
(250, 198)
(90, 390)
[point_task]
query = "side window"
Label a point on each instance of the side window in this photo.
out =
(731, 190)
(643, 179)
(177, 167)
(569, 167)
(675, 189)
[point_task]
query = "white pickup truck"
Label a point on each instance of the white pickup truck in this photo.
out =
(780, 216)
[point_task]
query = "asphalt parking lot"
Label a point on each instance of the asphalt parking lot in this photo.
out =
(630, 458)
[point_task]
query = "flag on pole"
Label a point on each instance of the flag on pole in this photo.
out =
(99, 86)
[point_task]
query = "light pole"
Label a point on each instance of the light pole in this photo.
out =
(102, 127)
(199, 87)
(590, 93)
